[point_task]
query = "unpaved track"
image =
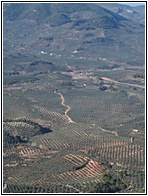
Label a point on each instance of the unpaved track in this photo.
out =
(67, 106)
(71, 121)
(108, 131)
(122, 83)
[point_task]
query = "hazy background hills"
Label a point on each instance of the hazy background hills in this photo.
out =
(136, 13)
(77, 33)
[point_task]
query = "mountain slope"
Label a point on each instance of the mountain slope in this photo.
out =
(41, 11)
(136, 13)
(74, 31)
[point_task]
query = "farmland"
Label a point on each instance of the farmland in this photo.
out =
(85, 128)
(73, 99)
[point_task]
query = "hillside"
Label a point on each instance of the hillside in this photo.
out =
(136, 13)
(75, 31)
(73, 98)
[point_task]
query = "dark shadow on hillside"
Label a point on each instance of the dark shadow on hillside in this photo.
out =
(44, 130)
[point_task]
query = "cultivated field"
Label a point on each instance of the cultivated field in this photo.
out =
(62, 134)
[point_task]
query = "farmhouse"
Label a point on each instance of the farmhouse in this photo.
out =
(135, 130)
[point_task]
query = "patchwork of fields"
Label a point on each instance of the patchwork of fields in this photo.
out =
(73, 97)
(61, 135)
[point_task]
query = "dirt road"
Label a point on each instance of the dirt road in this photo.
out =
(122, 83)
(71, 121)
(108, 131)
(67, 106)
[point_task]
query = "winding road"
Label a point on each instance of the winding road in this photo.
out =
(71, 121)
(67, 106)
